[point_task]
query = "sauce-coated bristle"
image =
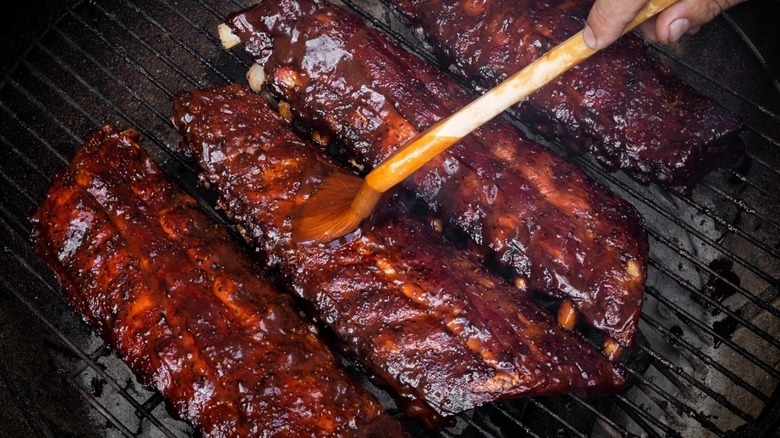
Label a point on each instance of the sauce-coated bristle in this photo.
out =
(338, 207)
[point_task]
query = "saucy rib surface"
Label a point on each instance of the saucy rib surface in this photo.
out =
(520, 205)
(182, 305)
(426, 320)
(621, 104)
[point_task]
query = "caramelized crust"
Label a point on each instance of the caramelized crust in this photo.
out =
(182, 304)
(520, 205)
(426, 320)
(621, 105)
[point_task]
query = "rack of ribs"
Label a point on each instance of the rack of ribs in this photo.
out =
(182, 304)
(622, 105)
(424, 319)
(520, 205)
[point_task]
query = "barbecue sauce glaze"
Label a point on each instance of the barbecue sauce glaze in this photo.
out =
(426, 320)
(621, 104)
(520, 205)
(184, 307)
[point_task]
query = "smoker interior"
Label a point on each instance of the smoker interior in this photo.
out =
(706, 361)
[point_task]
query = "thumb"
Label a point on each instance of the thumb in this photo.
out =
(608, 19)
(693, 13)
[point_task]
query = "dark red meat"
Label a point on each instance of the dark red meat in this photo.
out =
(426, 320)
(182, 304)
(621, 104)
(521, 205)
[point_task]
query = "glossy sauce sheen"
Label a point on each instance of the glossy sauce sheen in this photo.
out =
(621, 104)
(425, 319)
(182, 304)
(520, 204)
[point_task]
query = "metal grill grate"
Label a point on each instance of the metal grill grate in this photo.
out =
(706, 363)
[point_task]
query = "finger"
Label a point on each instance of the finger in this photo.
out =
(608, 19)
(647, 29)
(686, 16)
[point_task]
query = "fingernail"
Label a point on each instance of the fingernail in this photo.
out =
(678, 28)
(589, 37)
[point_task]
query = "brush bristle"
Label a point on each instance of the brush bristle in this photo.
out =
(329, 213)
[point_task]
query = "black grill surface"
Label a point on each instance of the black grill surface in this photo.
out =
(706, 361)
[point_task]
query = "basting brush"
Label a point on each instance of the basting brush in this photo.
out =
(343, 201)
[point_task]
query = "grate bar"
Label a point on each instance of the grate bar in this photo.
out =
(76, 350)
(686, 254)
(761, 161)
(18, 220)
(205, 5)
(673, 376)
(484, 432)
(93, 357)
(675, 401)
(110, 104)
(15, 185)
(667, 215)
(742, 205)
(682, 313)
(642, 381)
(730, 227)
(444, 432)
(27, 412)
(642, 418)
(497, 407)
(108, 72)
(138, 126)
(769, 338)
(703, 266)
(706, 359)
(178, 41)
(603, 418)
(135, 95)
(753, 49)
(31, 131)
(666, 54)
(683, 225)
(153, 401)
(120, 51)
(754, 186)
(37, 103)
(76, 76)
(62, 94)
(557, 417)
(659, 360)
(103, 411)
(205, 33)
(24, 158)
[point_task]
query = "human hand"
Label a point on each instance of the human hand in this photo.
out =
(608, 19)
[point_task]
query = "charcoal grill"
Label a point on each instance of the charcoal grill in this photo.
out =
(706, 363)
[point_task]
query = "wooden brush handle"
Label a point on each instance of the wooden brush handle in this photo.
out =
(424, 147)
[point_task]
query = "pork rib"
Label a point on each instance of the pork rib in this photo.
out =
(521, 205)
(182, 304)
(621, 104)
(426, 320)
